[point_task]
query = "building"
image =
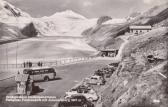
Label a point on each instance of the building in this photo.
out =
(112, 49)
(109, 52)
(139, 29)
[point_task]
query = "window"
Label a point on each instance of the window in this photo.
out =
(36, 72)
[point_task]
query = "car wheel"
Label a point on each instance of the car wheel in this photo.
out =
(98, 83)
(84, 105)
(61, 105)
(90, 99)
(46, 78)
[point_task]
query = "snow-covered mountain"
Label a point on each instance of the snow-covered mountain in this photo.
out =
(14, 23)
(13, 16)
(66, 23)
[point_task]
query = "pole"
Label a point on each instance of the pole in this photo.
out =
(7, 55)
(16, 53)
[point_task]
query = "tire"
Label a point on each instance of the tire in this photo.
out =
(98, 84)
(84, 105)
(90, 99)
(60, 105)
(46, 78)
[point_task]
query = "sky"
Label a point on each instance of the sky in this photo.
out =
(87, 8)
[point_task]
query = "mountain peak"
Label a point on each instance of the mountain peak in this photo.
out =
(66, 14)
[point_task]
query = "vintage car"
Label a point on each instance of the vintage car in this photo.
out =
(95, 80)
(89, 93)
(76, 101)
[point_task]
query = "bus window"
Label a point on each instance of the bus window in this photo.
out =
(36, 72)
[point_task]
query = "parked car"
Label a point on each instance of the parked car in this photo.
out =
(95, 80)
(113, 65)
(76, 101)
(89, 93)
(108, 71)
(39, 73)
(99, 73)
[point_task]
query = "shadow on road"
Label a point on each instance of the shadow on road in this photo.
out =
(37, 90)
(38, 81)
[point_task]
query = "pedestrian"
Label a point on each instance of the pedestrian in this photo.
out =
(27, 64)
(39, 64)
(24, 64)
(30, 64)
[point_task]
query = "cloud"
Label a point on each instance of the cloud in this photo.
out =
(87, 3)
(14, 1)
(147, 1)
(154, 2)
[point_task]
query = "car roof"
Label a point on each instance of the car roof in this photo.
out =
(38, 68)
(78, 95)
(95, 76)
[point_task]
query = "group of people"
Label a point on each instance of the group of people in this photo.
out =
(29, 64)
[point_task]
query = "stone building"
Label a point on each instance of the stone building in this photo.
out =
(139, 29)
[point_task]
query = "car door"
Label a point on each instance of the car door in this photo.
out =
(94, 80)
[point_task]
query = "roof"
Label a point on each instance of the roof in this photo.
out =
(140, 27)
(37, 68)
(21, 77)
(107, 50)
(95, 76)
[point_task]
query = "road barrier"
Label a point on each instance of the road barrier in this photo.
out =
(58, 62)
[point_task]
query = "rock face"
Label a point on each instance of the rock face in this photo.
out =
(103, 19)
(29, 30)
(140, 81)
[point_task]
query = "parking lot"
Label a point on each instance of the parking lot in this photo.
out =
(67, 77)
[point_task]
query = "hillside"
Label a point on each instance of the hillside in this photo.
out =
(154, 16)
(99, 35)
(141, 77)
(139, 81)
(7, 32)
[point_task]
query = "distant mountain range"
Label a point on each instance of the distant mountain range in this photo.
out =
(99, 32)
(66, 23)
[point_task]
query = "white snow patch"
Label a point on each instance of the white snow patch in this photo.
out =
(115, 21)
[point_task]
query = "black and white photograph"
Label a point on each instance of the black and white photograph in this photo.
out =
(83, 53)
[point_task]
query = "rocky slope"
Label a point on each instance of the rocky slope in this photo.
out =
(141, 77)
(138, 81)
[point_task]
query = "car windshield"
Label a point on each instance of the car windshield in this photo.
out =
(73, 89)
(94, 78)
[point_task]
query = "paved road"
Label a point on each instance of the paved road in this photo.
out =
(70, 75)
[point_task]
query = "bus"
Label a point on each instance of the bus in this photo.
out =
(37, 74)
